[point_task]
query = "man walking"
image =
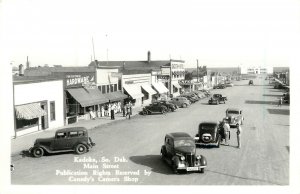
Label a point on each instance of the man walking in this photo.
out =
(226, 131)
(238, 134)
(128, 111)
(280, 102)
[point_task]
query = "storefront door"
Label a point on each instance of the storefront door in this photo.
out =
(44, 119)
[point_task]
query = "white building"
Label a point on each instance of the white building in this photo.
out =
(38, 105)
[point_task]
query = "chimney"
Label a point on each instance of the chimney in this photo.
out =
(27, 63)
(21, 70)
(149, 56)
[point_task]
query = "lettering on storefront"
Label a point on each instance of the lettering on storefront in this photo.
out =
(185, 82)
(78, 80)
(163, 77)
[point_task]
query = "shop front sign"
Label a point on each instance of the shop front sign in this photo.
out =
(76, 80)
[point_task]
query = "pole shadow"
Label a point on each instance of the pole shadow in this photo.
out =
(273, 95)
(260, 102)
(279, 111)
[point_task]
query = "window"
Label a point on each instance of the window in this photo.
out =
(99, 88)
(119, 84)
(115, 87)
(107, 89)
(103, 89)
(52, 111)
(111, 88)
(23, 123)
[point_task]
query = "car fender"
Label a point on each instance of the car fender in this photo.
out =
(203, 161)
(175, 160)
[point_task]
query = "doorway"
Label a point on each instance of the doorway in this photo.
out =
(44, 119)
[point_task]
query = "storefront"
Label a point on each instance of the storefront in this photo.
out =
(38, 105)
(138, 87)
(162, 91)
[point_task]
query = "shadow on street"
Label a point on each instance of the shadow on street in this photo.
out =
(279, 111)
(260, 102)
(273, 95)
(154, 162)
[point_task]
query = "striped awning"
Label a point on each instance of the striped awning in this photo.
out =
(29, 111)
(148, 89)
(88, 97)
(134, 91)
(160, 88)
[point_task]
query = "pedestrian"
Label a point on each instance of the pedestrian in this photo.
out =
(112, 113)
(280, 102)
(128, 111)
(92, 114)
(124, 110)
(238, 134)
(226, 131)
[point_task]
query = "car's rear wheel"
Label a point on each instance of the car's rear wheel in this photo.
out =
(184, 105)
(80, 149)
(38, 152)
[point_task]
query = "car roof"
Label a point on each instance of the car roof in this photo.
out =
(209, 122)
(179, 135)
(234, 109)
(71, 129)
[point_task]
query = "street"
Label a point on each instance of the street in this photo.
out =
(128, 152)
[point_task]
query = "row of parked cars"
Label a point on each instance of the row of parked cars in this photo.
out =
(182, 101)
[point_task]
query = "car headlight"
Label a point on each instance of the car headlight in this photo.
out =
(198, 157)
(182, 158)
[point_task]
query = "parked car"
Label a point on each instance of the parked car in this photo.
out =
(179, 151)
(286, 97)
(65, 140)
(234, 116)
(170, 106)
(217, 99)
(190, 97)
(229, 84)
(219, 86)
(209, 134)
(279, 86)
(180, 101)
(250, 82)
(155, 107)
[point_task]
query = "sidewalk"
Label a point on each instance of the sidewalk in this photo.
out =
(26, 141)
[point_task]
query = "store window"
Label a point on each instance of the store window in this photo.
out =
(107, 89)
(111, 88)
(115, 87)
(24, 123)
(52, 110)
(103, 89)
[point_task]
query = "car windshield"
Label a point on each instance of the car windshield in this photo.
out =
(208, 126)
(184, 142)
(233, 112)
(216, 95)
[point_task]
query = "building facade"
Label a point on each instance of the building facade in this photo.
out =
(38, 105)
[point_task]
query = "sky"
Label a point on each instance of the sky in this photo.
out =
(216, 32)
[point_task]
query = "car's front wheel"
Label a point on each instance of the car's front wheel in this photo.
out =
(37, 152)
(80, 149)
(184, 105)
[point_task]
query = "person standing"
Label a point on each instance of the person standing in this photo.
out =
(128, 111)
(112, 113)
(226, 131)
(238, 134)
(124, 110)
(280, 102)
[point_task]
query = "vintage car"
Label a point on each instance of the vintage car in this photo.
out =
(217, 99)
(190, 97)
(179, 151)
(234, 116)
(286, 97)
(219, 86)
(155, 107)
(180, 101)
(250, 82)
(65, 140)
(229, 84)
(170, 106)
(209, 134)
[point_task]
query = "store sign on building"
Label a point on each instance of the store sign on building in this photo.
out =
(77, 80)
(185, 82)
(165, 77)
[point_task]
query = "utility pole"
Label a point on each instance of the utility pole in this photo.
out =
(93, 49)
(197, 71)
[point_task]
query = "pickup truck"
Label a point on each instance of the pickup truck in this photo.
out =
(217, 99)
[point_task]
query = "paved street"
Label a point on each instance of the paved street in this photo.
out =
(133, 147)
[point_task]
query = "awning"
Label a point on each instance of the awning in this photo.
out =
(88, 97)
(148, 89)
(134, 91)
(29, 111)
(160, 88)
(177, 85)
(115, 96)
